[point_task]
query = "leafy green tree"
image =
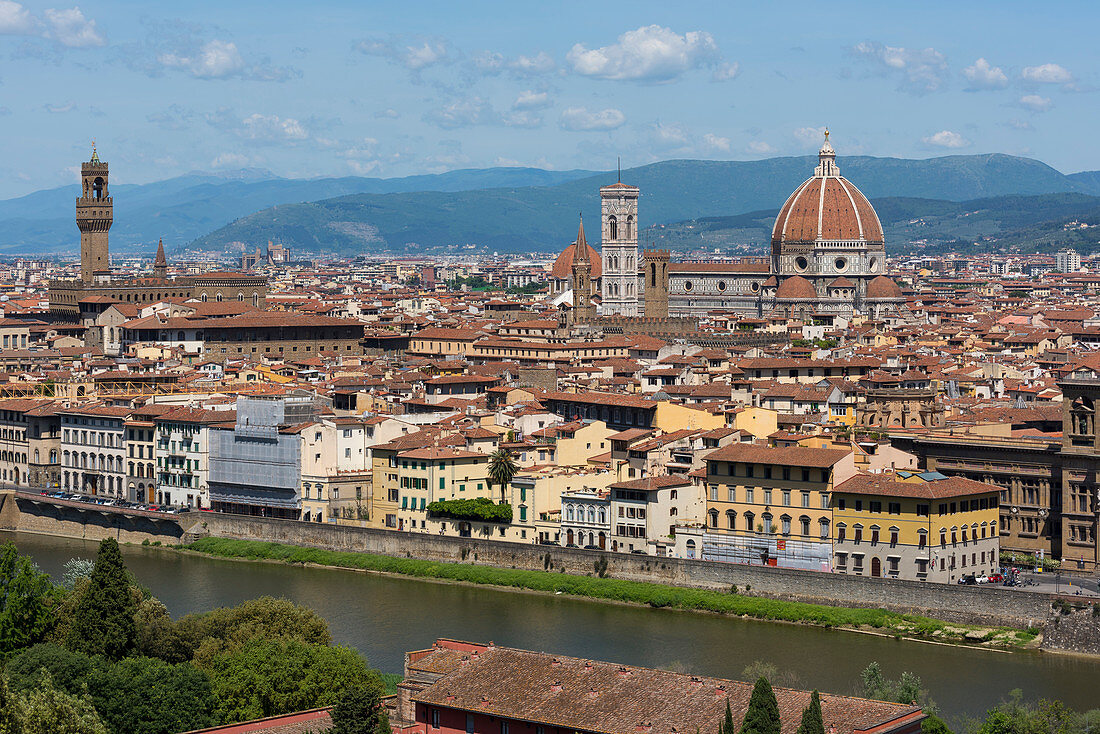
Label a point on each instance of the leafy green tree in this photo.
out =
(502, 467)
(47, 710)
(103, 620)
(227, 629)
(156, 635)
(359, 710)
(151, 696)
(270, 677)
(906, 689)
(67, 670)
(812, 721)
(934, 725)
(28, 600)
(762, 715)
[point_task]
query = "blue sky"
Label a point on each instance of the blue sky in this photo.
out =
(390, 89)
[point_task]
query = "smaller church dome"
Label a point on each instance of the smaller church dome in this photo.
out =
(883, 287)
(842, 282)
(796, 288)
(563, 266)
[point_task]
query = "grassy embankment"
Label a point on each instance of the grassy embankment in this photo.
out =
(621, 590)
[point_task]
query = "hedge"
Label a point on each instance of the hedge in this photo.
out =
(482, 509)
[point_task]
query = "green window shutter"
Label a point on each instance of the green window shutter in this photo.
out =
(442, 483)
(423, 503)
(523, 514)
(404, 503)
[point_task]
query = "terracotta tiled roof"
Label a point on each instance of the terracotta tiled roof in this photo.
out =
(840, 212)
(779, 456)
(887, 485)
(607, 698)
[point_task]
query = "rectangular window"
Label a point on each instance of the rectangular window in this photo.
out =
(922, 510)
(876, 506)
(805, 499)
(786, 498)
(469, 724)
(767, 496)
(435, 718)
(840, 503)
(748, 495)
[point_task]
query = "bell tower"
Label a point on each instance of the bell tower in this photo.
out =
(619, 247)
(583, 311)
(94, 215)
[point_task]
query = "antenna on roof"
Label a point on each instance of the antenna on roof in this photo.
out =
(619, 165)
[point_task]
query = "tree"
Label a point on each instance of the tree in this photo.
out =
(271, 677)
(906, 689)
(48, 710)
(502, 467)
(150, 696)
(359, 710)
(762, 715)
(67, 670)
(77, 569)
(156, 635)
(28, 600)
(812, 721)
(227, 629)
(934, 725)
(727, 726)
(103, 620)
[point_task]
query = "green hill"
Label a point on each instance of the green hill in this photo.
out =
(534, 218)
(1041, 223)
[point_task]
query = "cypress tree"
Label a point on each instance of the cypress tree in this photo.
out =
(103, 620)
(812, 722)
(762, 716)
(727, 724)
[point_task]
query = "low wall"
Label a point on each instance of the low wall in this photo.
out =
(1074, 627)
(962, 604)
(47, 516)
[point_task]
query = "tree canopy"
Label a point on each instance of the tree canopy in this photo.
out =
(812, 722)
(28, 600)
(762, 715)
(359, 711)
(103, 619)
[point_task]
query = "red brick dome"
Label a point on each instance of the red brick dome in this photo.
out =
(883, 287)
(796, 288)
(827, 207)
(563, 266)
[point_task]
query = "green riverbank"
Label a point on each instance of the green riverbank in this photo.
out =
(734, 602)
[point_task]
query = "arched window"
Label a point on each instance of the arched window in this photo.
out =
(629, 226)
(240, 297)
(613, 228)
(841, 532)
(749, 519)
(922, 538)
(603, 515)
(824, 523)
(731, 520)
(180, 336)
(653, 275)
(255, 300)
(713, 514)
(218, 298)
(804, 525)
(203, 298)
(591, 514)
(569, 512)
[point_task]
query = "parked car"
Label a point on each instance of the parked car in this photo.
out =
(996, 578)
(968, 580)
(981, 579)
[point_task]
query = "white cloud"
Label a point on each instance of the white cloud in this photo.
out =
(946, 139)
(264, 129)
(726, 71)
(489, 62)
(15, 20)
(983, 75)
(649, 54)
(387, 114)
(521, 118)
(214, 60)
(462, 113)
(414, 54)
(717, 143)
(669, 136)
(759, 147)
(1036, 102)
(540, 63)
(56, 109)
(579, 119)
(810, 136)
(70, 28)
(1047, 74)
(531, 100)
(920, 70)
(230, 160)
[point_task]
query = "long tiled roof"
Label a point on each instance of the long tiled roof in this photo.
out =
(779, 456)
(592, 696)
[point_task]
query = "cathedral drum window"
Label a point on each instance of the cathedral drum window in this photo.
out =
(754, 287)
(841, 264)
(801, 263)
(721, 285)
(687, 285)
(872, 264)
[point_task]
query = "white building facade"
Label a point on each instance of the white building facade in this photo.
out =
(619, 249)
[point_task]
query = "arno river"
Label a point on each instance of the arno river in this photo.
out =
(383, 617)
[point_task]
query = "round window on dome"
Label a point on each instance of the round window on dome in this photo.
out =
(687, 285)
(754, 287)
(801, 263)
(841, 263)
(721, 285)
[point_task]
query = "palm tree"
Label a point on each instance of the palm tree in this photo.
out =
(502, 467)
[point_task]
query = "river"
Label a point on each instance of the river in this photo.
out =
(383, 617)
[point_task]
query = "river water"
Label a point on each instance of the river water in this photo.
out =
(383, 617)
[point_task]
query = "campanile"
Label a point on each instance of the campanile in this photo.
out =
(94, 215)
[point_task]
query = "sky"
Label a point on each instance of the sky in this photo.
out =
(309, 89)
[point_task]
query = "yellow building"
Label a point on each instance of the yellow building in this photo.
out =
(425, 475)
(923, 527)
(757, 422)
(673, 416)
(771, 505)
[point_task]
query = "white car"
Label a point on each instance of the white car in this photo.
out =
(981, 578)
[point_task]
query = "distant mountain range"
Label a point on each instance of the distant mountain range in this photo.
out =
(1040, 223)
(524, 209)
(186, 207)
